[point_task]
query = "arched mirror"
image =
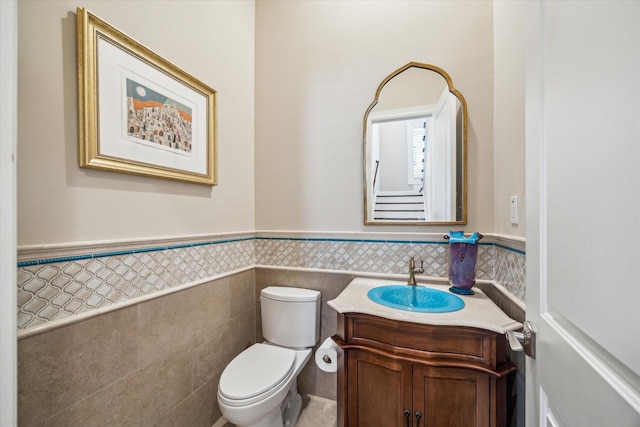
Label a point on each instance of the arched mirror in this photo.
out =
(415, 145)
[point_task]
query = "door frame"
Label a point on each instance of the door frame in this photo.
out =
(8, 138)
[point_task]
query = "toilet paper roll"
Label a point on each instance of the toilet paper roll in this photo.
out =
(327, 356)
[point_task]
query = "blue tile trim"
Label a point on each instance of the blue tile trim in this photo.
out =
(518, 251)
(337, 240)
(114, 253)
(28, 263)
(241, 239)
(125, 252)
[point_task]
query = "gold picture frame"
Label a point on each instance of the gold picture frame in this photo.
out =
(139, 113)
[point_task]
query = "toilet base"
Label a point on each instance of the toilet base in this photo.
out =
(284, 415)
(291, 406)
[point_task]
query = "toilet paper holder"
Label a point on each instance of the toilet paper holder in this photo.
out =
(327, 355)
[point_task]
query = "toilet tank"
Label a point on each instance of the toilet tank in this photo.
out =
(290, 316)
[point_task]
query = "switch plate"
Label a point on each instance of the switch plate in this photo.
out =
(513, 205)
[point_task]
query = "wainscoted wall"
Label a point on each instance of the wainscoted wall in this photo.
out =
(139, 332)
(156, 362)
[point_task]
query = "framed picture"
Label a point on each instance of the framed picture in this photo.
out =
(137, 112)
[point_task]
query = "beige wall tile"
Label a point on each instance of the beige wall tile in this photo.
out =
(58, 368)
(213, 351)
(326, 384)
(210, 304)
(200, 409)
(137, 399)
(133, 366)
(174, 319)
(505, 303)
(242, 290)
(225, 328)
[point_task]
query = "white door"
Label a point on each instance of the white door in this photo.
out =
(442, 160)
(583, 212)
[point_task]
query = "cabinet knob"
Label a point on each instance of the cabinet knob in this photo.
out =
(418, 415)
(407, 414)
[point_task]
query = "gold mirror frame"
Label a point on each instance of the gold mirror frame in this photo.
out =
(463, 209)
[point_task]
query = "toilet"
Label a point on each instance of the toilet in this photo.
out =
(259, 388)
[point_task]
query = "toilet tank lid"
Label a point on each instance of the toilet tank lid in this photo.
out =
(284, 293)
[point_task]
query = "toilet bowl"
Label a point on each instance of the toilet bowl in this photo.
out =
(258, 388)
(259, 385)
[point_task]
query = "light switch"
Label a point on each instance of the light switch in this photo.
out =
(514, 209)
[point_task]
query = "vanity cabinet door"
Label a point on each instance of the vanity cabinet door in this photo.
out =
(451, 397)
(378, 390)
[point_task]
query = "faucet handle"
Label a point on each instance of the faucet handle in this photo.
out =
(412, 263)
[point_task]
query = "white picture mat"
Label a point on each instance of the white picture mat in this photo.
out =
(114, 65)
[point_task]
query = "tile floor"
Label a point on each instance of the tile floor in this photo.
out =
(316, 412)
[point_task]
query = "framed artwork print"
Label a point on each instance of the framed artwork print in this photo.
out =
(137, 112)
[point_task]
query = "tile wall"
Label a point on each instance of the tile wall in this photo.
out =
(154, 363)
(56, 285)
(140, 332)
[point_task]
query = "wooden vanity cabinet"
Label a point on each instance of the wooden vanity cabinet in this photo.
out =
(395, 373)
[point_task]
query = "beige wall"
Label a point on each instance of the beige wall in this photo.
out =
(57, 201)
(318, 65)
(508, 126)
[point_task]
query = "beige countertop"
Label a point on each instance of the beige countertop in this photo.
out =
(478, 312)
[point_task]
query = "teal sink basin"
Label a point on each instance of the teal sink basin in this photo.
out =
(415, 298)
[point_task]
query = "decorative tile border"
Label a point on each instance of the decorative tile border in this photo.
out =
(68, 282)
(511, 272)
(388, 257)
(54, 288)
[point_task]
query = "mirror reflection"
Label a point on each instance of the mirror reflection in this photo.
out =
(415, 149)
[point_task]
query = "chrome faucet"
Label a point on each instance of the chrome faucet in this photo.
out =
(413, 270)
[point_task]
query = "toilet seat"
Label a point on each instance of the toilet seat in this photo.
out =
(255, 374)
